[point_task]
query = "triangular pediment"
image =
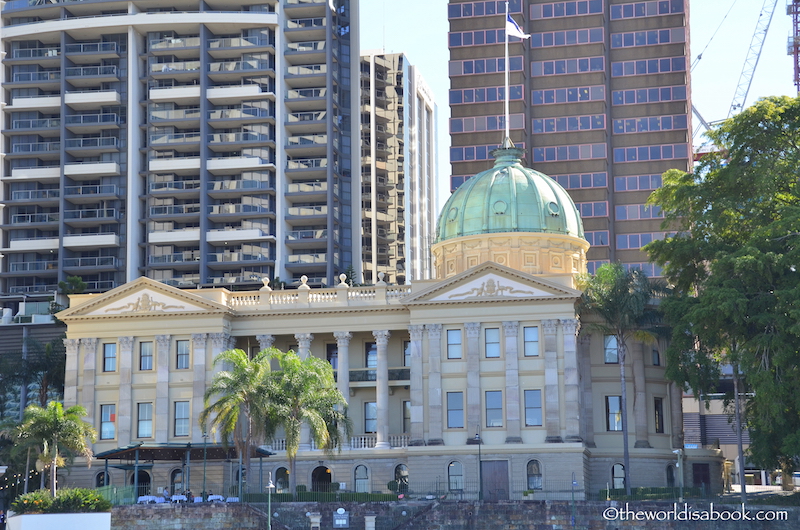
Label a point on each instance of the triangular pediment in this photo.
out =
(142, 297)
(492, 282)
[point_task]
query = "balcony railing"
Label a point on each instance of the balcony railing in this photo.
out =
(29, 77)
(233, 185)
(307, 258)
(92, 47)
(306, 163)
(44, 123)
(308, 46)
(228, 209)
(178, 257)
(99, 213)
(306, 93)
(234, 66)
(36, 53)
(175, 185)
(89, 143)
(91, 71)
(41, 288)
(244, 112)
(307, 69)
(227, 257)
(175, 209)
(236, 137)
(308, 210)
(306, 23)
(37, 147)
(307, 139)
(306, 187)
(319, 115)
(176, 42)
(100, 285)
(175, 138)
(298, 235)
(26, 195)
(178, 114)
(92, 119)
(27, 218)
(238, 42)
(97, 261)
(33, 266)
(106, 189)
(177, 66)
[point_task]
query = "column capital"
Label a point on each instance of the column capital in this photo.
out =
(342, 337)
(511, 329)
(162, 341)
(473, 329)
(304, 338)
(219, 340)
(381, 336)
(89, 343)
(199, 340)
(571, 326)
(416, 331)
(434, 331)
(72, 345)
(125, 343)
(265, 341)
(550, 326)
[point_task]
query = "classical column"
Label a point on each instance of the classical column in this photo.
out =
(417, 435)
(435, 412)
(161, 407)
(71, 373)
(473, 376)
(382, 389)
(199, 382)
(265, 342)
(640, 397)
(572, 391)
(125, 364)
(585, 368)
(303, 344)
(513, 420)
(89, 371)
(551, 399)
(343, 369)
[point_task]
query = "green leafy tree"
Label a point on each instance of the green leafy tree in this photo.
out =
(304, 392)
(72, 285)
(621, 301)
(235, 400)
(734, 265)
(59, 430)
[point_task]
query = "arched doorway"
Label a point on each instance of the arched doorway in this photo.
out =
(101, 480)
(143, 481)
(282, 480)
(321, 479)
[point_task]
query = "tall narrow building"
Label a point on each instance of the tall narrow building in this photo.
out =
(195, 142)
(599, 100)
(398, 157)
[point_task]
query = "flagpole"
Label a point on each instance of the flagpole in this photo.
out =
(508, 125)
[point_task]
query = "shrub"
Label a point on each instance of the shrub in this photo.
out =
(33, 502)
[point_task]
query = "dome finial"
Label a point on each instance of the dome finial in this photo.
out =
(507, 143)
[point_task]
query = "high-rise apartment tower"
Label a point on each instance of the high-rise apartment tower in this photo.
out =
(599, 99)
(398, 161)
(195, 142)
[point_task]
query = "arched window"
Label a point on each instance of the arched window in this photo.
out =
(618, 476)
(455, 476)
(401, 477)
(362, 479)
(142, 478)
(282, 480)
(670, 476)
(101, 479)
(176, 481)
(534, 475)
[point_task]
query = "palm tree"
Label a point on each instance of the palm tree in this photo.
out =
(238, 411)
(57, 429)
(304, 391)
(622, 301)
(44, 369)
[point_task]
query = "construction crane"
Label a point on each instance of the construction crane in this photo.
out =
(793, 9)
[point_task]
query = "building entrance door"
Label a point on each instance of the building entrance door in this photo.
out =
(494, 474)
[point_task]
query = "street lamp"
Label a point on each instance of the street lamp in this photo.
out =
(205, 440)
(480, 471)
(269, 502)
(679, 466)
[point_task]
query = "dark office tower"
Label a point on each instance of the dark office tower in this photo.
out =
(599, 100)
(196, 142)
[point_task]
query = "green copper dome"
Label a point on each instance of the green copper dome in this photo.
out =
(509, 198)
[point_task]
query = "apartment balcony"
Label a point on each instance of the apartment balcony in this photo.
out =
(235, 94)
(40, 150)
(306, 262)
(91, 170)
(305, 8)
(91, 52)
(368, 441)
(307, 144)
(229, 47)
(47, 56)
(100, 285)
(177, 116)
(176, 187)
(306, 75)
(308, 213)
(309, 191)
(305, 99)
(42, 127)
(38, 288)
(307, 167)
(92, 146)
(228, 71)
(36, 244)
(43, 174)
(306, 52)
(86, 76)
(169, 163)
(92, 123)
(307, 238)
(227, 260)
(240, 116)
(189, 139)
(305, 29)
(306, 122)
(181, 94)
(91, 99)
(233, 141)
(46, 80)
(189, 280)
(46, 197)
(225, 188)
(91, 217)
(43, 103)
(175, 45)
(181, 236)
(179, 260)
(94, 264)
(33, 266)
(176, 211)
(237, 212)
(91, 194)
(91, 240)
(176, 69)
(232, 164)
(232, 235)
(34, 219)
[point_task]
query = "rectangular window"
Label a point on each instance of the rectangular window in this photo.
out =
(145, 356)
(182, 360)
(108, 422)
(144, 420)
(181, 418)
(453, 343)
(455, 410)
(492, 336)
(406, 353)
(533, 408)
(658, 409)
(610, 351)
(406, 417)
(332, 354)
(530, 336)
(371, 355)
(109, 357)
(613, 413)
(656, 358)
(494, 408)
(370, 416)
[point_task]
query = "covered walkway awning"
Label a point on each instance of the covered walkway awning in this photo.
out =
(143, 454)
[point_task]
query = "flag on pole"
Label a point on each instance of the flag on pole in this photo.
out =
(513, 29)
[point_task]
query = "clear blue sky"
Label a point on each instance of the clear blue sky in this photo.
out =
(419, 28)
